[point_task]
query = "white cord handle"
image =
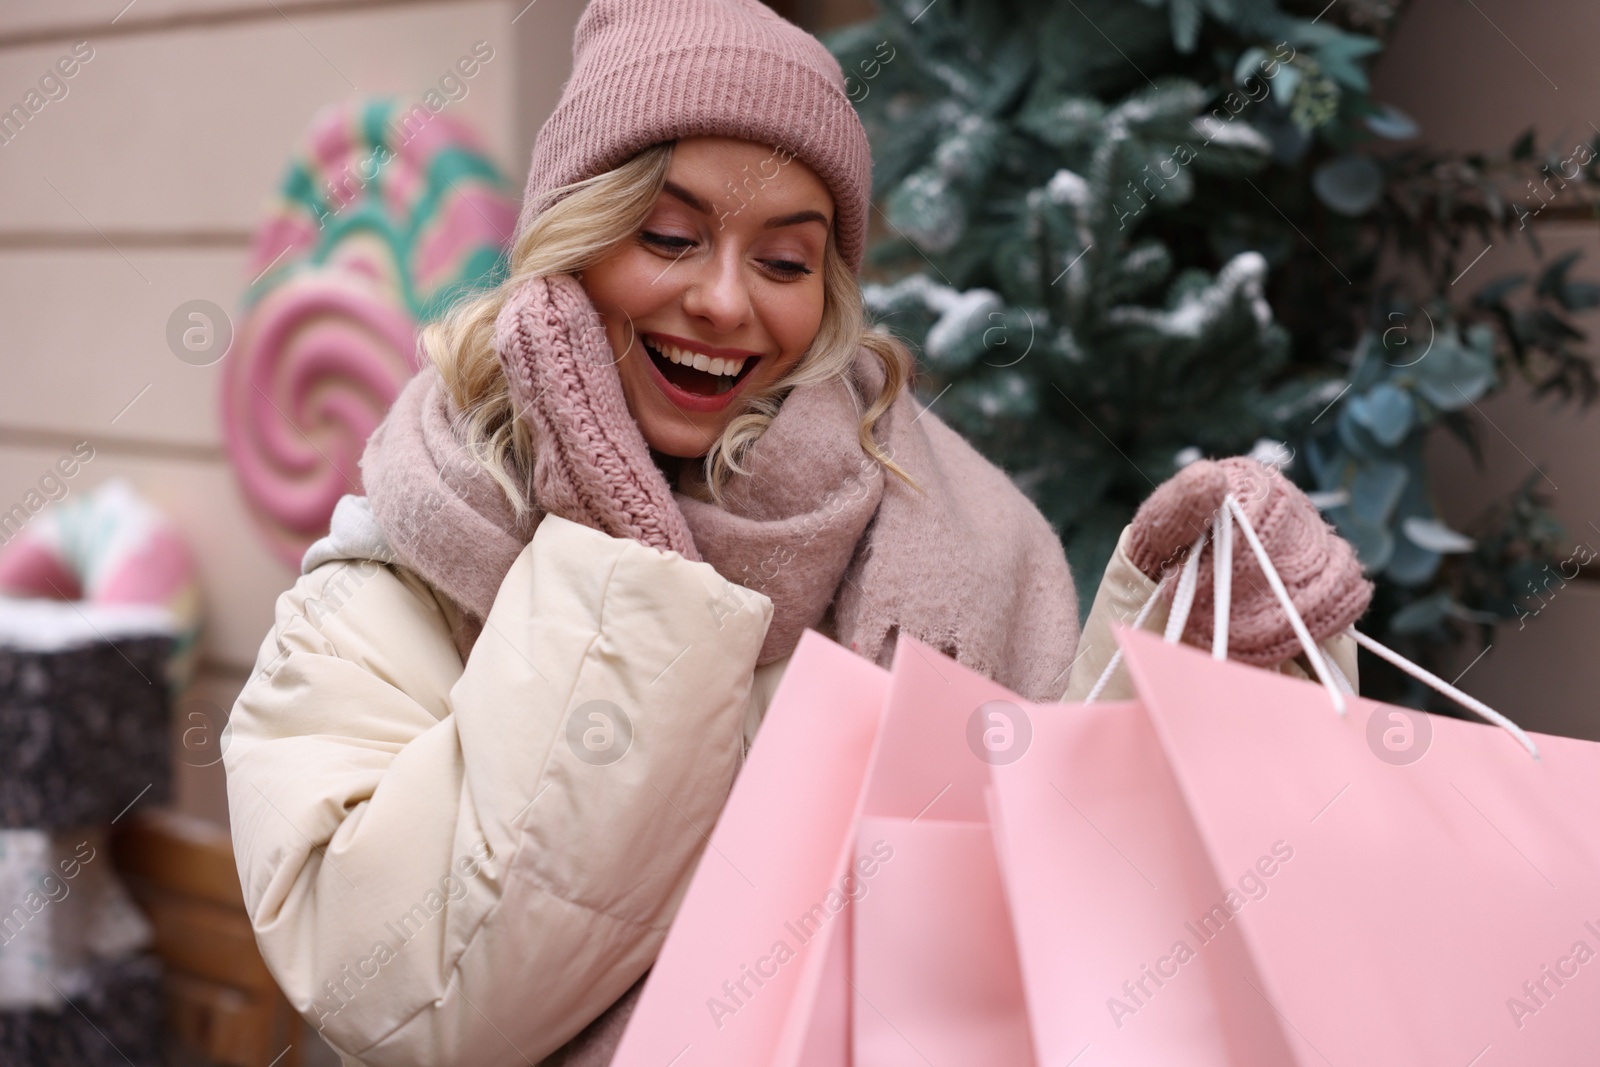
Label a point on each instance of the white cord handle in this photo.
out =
(1116, 657)
(1313, 653)
(1182, 601)
(1328, 672)
(1383, 652)
(1429, 678)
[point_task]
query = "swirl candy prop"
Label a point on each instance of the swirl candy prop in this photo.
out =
(387, 216)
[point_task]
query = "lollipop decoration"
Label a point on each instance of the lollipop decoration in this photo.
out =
(386, 217)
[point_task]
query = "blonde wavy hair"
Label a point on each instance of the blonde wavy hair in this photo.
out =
(582, 228)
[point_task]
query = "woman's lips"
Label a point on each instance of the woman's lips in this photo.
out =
(697, 402)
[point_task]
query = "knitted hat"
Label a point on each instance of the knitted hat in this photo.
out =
(647, 71)
(1318, 567)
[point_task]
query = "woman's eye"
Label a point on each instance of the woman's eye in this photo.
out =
(787, 268)
(784, 268)
(676, 244)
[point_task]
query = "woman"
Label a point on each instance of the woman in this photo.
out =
(503, 705)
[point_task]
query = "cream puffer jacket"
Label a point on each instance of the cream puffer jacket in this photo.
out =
(452, 864)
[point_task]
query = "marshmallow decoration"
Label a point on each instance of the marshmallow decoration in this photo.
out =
(385, 218)
(112, 1021)
(101, 567)
(99, 622)
(85, 728)
(71, 918)
(99, 618)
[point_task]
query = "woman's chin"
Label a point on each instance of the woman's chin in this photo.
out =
(679, 440)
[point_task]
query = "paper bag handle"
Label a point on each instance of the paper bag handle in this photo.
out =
(1376, 648)
(1332, 679)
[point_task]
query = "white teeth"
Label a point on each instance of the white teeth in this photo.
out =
(729, 368)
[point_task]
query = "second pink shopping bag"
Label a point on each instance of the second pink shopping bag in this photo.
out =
(1113, 897)
(934, 972)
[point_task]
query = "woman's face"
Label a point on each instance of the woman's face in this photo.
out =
(719, 292)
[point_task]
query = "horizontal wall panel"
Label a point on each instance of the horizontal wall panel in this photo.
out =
(240, 579)
(80, 18)
(192, 129)
(86, 350)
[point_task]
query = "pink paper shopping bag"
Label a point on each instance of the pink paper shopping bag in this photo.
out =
(934, 972)
(1111, 894)
(756, 942)
(1414, 890)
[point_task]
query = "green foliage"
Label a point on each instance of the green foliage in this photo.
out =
(1125, 233)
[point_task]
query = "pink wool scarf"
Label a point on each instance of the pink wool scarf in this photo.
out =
(971, 568)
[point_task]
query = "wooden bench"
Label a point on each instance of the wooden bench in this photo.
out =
(222, 1002)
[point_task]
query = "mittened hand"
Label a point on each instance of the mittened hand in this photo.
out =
(592, 464)
(1318, 567)
(1180, 510)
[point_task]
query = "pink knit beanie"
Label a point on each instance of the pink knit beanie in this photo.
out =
(1318, 567)
(647, 71)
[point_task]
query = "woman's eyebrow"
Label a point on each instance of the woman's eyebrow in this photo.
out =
(687, 197)
(796, 218)
(776, 221)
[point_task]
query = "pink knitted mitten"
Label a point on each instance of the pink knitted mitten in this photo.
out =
(592, 464)
(1318, 567)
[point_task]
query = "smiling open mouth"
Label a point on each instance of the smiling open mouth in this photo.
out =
(695, 372)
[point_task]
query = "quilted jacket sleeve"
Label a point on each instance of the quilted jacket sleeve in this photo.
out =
(466, 865)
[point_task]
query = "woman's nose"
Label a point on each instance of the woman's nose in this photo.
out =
(718, 292)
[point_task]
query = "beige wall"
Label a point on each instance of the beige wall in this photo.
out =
(140, 190)
(1473, 83)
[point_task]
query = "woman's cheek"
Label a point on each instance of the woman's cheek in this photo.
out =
(808, 320)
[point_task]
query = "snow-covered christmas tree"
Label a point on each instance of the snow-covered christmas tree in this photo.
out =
(1126, 233)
